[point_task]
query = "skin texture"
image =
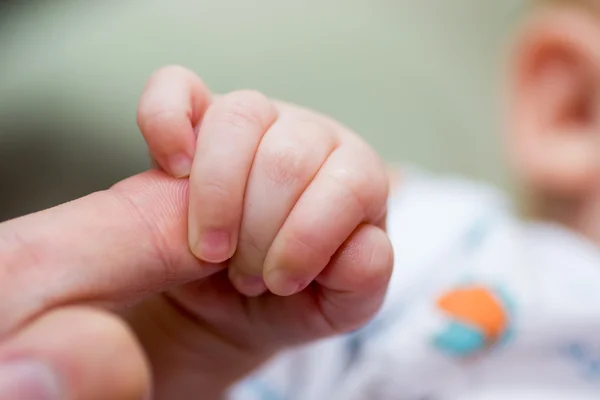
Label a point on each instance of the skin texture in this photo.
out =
(189, 330)
(131, 242)
(307, 260)
(553, 128)
(298, 214)
(299, 183)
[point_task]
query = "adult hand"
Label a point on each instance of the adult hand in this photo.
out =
(108, 249)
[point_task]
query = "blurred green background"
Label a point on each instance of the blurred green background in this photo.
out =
(418, 79)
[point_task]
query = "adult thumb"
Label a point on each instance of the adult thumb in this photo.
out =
(73, 353)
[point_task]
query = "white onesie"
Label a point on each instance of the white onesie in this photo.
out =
(481, 306)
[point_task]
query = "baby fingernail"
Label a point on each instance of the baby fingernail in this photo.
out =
(248, 285)
(281, 284)
(214, 246)
(180, 165)
(28, 380)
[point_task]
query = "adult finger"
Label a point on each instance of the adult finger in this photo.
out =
(73, 353)
(227, 141)
(111, 248)
(170, 109)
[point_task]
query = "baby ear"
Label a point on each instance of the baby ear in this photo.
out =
(554, 114)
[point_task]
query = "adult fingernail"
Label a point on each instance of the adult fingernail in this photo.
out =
(281, 283)
(28, 380)
(180, 165)
(214, 246)
(248, 285)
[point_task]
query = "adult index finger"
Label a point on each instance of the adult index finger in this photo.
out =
(110, 248)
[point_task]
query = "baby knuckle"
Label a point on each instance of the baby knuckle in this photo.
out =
(357, 186)
(368, 184)
(297, 153)
(315, 129)
(378, 260)
(284, 164)
(245, 109)
(151, 109)
(307, 247)
(150, 118)
(216, 191)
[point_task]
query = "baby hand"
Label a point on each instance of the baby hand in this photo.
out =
(291, 202)
(277, 190)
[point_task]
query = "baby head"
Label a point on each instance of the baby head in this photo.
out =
(554, 112)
